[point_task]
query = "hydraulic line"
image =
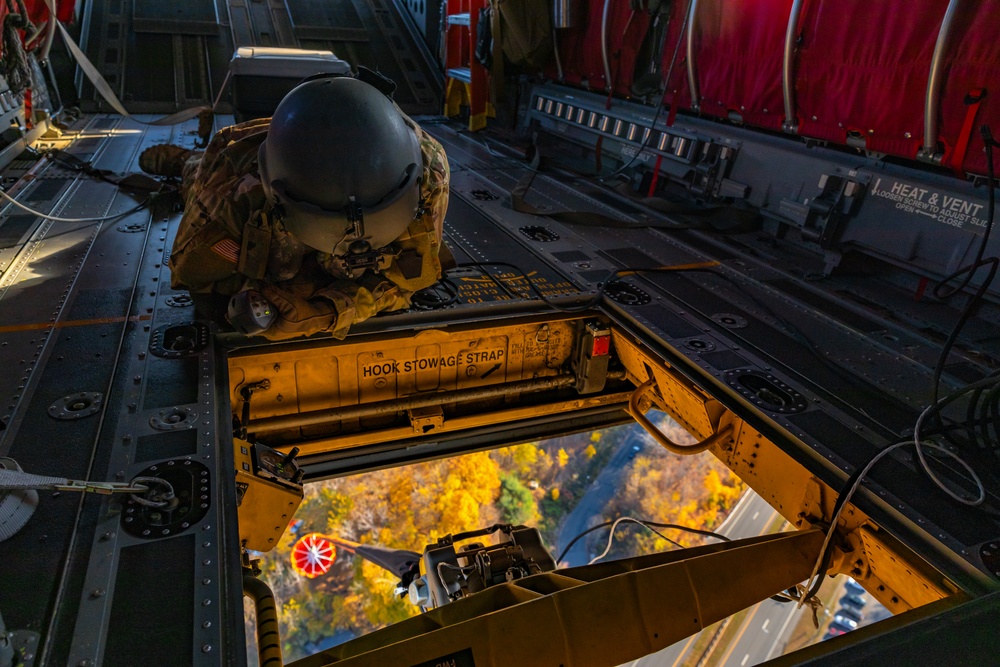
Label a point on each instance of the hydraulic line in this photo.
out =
(935, 80)
(268, 635)
(788, 65)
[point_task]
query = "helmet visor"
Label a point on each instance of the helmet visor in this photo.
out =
(333, 231)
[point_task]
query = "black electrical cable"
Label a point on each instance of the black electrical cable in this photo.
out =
(455, 568)
(972, 421)
(853, 482)
(503, 288)
(439, 295)
(981, 426)
(480, 532)
(941, 289)
(675, 526)
(967, 273)
(841, 499)
(645, 144)
(993, 263)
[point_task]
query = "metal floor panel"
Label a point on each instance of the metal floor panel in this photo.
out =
(82, 307)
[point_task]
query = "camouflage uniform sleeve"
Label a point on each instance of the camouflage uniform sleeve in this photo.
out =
(221, 197)
(418, 265)
(310, 303)
(221, 205)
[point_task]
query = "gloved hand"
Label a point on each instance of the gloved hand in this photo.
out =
(298, 315)
(250, 313)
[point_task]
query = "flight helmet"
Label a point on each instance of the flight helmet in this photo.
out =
(342, 169)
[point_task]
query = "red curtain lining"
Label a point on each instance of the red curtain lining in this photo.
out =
(861, 67)
(625, 36)
(38, 11)
(739, 49)
(580, 47)
(867, 77)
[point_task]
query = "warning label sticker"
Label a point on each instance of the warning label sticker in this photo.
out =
(947, 209)
(480, 289)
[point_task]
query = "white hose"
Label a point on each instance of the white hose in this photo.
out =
(53, 218)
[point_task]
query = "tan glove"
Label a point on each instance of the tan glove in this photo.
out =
(297, 315)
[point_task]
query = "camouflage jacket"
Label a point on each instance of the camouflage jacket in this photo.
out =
(228, 242)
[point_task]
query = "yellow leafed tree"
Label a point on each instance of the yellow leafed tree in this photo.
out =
(720, 494)
(466, 490)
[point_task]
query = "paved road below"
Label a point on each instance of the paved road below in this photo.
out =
(590, 510)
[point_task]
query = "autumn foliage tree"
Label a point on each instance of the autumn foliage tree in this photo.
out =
(516, 504)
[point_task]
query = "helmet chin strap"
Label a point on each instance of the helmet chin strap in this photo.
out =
(356, 216)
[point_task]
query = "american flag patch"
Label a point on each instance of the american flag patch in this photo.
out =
(227, 249)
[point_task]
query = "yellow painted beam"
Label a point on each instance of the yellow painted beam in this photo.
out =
(591, 616)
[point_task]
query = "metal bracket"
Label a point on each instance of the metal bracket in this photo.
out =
(426, 419)
(639, 415)
(821, 216)
(25, 644)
